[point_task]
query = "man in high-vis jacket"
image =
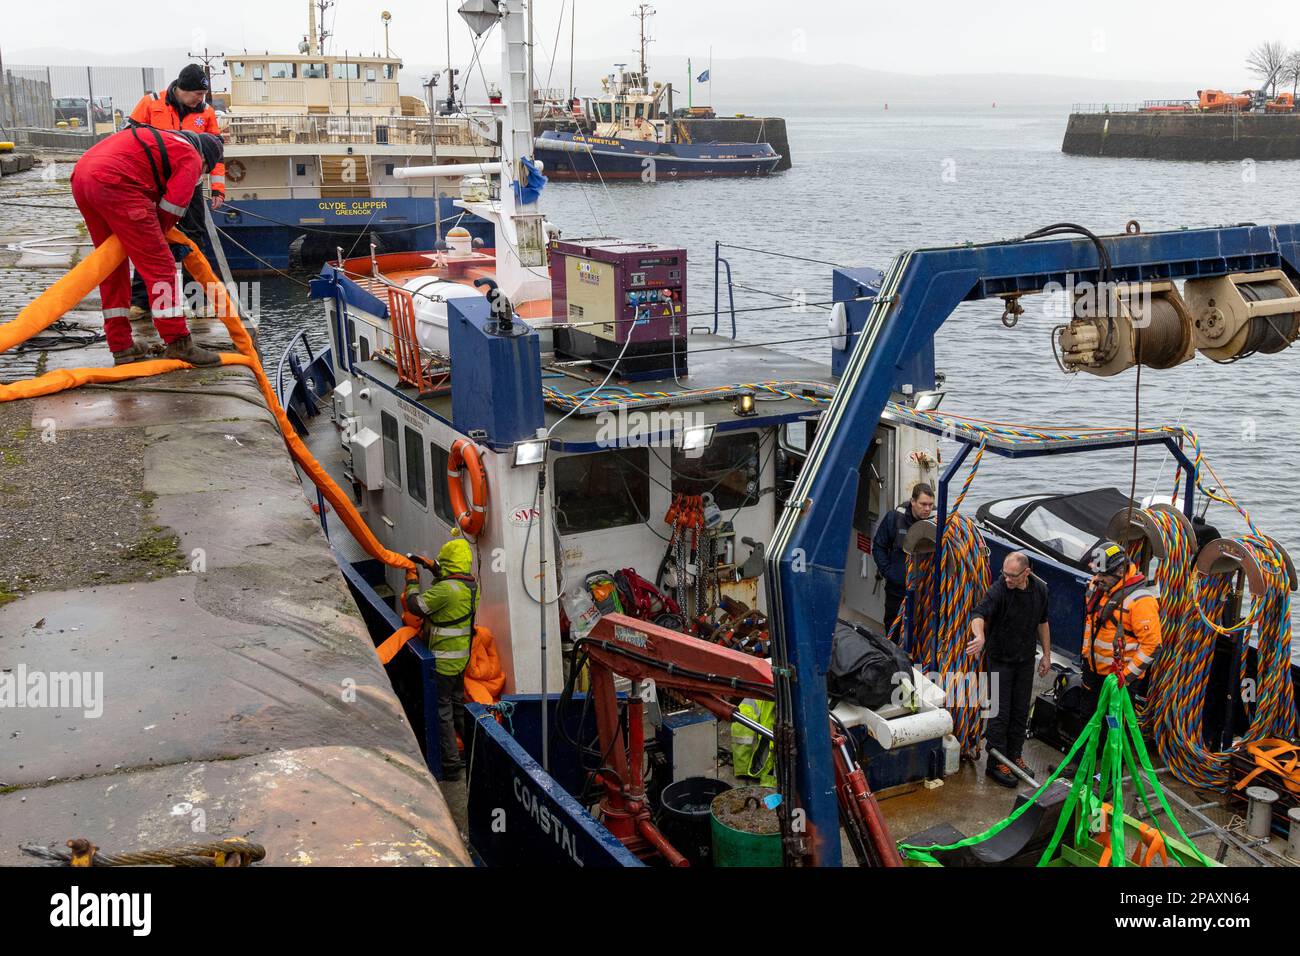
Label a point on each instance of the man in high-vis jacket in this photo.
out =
(183, 106)
(753, 757)
(448, 608)
(1122, 621)
(135, 185)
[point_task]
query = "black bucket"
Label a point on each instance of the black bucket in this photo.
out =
(685, 817)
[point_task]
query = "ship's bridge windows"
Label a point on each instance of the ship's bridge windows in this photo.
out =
(314, 71)
(609, 489)
(603, 112)
(236, 69)
(728, 469)
(390, 71)
(347, 71)
(282, 71)
(392, 449)
(416, 485)
(441, 461)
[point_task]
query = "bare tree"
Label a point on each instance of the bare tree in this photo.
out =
(1266, 61)
(1290, 72)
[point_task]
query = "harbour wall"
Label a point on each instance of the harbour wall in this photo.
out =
(180, 657)
(1184, 136)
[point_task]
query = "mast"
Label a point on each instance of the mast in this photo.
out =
(644, 10)
(531, 76)
(573, 21)
(311, 28)
(320, 38)
(451, 74)
(521, 247)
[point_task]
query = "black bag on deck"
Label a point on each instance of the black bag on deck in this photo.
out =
(863, 666)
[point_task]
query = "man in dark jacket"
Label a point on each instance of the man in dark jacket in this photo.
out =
(1006, 624)
(887, 547)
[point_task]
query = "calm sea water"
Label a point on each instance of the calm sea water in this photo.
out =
(865, 188)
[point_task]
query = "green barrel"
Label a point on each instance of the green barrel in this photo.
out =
(745, 831)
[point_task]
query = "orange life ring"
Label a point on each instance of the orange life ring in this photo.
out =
(464, 457)
(235, 171)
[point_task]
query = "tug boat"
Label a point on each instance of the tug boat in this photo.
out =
(629, 134)
(667, 520)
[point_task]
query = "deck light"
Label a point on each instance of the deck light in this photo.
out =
(530, 452)
(929, 401)
(697, 439)
(744, 405)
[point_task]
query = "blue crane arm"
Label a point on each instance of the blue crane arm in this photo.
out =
(805, 566)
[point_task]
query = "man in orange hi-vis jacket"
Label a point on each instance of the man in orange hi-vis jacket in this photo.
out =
(1122, 621)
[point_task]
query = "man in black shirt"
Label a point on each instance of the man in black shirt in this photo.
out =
(1006, 623)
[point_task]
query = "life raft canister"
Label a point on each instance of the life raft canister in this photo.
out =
(463, 458)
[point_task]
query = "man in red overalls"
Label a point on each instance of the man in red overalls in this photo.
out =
(136, 185)
(182, 105)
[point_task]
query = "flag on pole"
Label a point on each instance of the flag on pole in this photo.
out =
(703, 77)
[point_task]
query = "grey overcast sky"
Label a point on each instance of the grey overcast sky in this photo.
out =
(1106, 39)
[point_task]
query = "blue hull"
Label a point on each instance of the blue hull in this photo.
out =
(263, 234)
(574, 156)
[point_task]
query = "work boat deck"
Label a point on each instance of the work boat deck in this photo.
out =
(967, 800)
(400, 417)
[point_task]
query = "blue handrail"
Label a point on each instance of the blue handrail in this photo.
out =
(284, 359)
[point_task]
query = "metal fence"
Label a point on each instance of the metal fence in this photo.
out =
(77, 99)
(1156, 106)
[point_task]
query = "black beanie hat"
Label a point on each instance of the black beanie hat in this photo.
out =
(192, 79)
(210, 147)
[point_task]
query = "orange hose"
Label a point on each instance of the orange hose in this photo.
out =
(64, 296)
(70, 289)
(62, 379)
(199, 269)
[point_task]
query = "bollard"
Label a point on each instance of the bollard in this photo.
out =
(1293, 842)
(1259, 811)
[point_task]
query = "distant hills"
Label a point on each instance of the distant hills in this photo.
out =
(753, 85)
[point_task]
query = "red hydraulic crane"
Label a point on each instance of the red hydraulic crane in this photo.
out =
(717, 679)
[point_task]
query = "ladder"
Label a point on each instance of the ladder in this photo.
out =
(344, 177)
